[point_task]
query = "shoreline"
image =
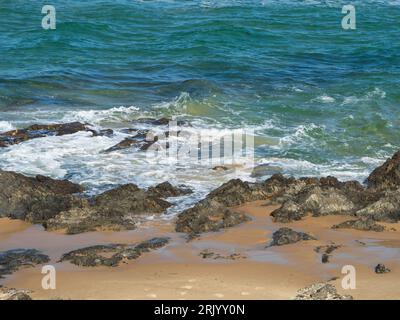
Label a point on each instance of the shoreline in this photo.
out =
(178, 272)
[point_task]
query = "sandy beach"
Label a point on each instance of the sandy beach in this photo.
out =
(241, 267)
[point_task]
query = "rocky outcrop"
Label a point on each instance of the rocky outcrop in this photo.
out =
(167, 190)
(320, 291)
(113, 254)
(14, 294)
(38, 131)
(13, 260)
(116, 209)
(364, 224)
(386, 209)
(386, 176)
(381, 268)
(35, 199)
(285, 236)
(208, 215)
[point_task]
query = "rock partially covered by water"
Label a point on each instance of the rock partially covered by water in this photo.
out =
(208, 215)
(38, 131)
(285, 236)
(14, 294)
(116, 209)
(13, 260)
(321, 291)
(167, 190)
(35, 199)
(387, 176)
(364, 224)
(113, 254)
(326, 251)
(381, 268)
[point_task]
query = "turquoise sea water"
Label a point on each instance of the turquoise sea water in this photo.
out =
(322, 100)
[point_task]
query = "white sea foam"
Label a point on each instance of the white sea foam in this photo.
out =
(6, 126)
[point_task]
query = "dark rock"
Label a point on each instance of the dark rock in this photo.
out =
(13, 260)
(285, 236)
(289, 211)
(386, 209)
(207, 254)
(265, 169)
(37, 131)
(220, 168)
(326, 251)
(387, 176)
(364, 224)
(381, 268)
(116, 209)
(236, 192)
(321, 291)
(103, 132)
(13, 294)
(137, 141)
(208, 215)
(166, 190)
(34, 199)
(113, 254)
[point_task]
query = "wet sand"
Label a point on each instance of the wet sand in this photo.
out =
(177, 271)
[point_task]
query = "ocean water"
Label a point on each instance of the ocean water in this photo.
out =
(321, 100)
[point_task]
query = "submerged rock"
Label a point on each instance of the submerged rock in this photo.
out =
(381, 268)
(285, 236)
(35, 199)
(326, 251)
(13, 260)
(364, 224)
(167, 190)
(265, 169)
(113, 254)
(14, 294)
(208, 215)
(38, 131)
(321, 291)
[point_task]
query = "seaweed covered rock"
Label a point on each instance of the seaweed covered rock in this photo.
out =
(113, 254)
(321, 291)
(208, 215)
(386, 176)
(38, 131)
(35, 199)
(166, 190)
(285, 236)
(116, 209)
(326, 251)
(13, 260)
(13, 294)
(364, 224)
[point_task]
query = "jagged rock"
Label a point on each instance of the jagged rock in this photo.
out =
(13, 294)
(326, 251)
(116, 209)
(208, 254)
(166, 190)
(387, 176)
(37, 131)
(113, 254)
(137, 141)
(102, 132)
(386, 209)
(321, 291)
(13, 260)
(364, 224)
(236, 192)
(208, 215)
(34, 199)
(289, 211)
(285, 236)
(381, 268)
